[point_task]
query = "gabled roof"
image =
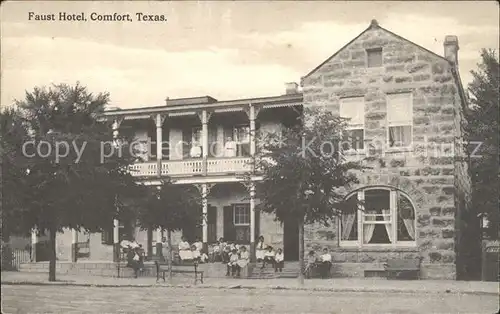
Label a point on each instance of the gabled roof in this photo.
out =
(374, 24)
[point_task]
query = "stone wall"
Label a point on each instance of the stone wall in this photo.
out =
(426, 172)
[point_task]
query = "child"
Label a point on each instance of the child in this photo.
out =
(222, 245)
(198, 244)
(225, 259)
(311, 263)
(203, 257)
(268, 257)
(279, 261)
(244, 259)
(196, 256)
(216, 252)
(233, 262)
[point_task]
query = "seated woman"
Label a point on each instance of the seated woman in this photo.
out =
(185, 252)
(243, 260)
(279, 261)
(260, 250)
(326, 263)
(233, 263)
(268, 257)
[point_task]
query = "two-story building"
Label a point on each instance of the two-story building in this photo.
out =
(405, 107)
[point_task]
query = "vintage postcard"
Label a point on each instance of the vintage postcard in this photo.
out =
(250, 156)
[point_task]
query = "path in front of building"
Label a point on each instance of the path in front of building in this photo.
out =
(85, 299)
(332, 285)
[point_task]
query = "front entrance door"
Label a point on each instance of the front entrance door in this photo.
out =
(291, 240)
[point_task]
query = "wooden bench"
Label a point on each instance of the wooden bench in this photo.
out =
(403, 268)
(161, 270)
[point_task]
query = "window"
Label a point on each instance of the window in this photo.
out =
(241, 222)
(399, 120)
(378, 216)
(354, 110)
(241, 215)
(374, 57)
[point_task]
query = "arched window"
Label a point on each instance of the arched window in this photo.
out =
(378, 216)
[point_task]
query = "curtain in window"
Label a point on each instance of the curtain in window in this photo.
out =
(347, 224)
(399, 136)
(388, 225)
(410, 227)
(406, 213)
(368, 228)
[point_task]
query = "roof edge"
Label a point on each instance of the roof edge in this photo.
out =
(372, 26)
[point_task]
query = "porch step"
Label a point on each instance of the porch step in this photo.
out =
(291, 270)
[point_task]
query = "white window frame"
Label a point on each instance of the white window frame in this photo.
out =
(246, 207)
(407, 122)
(358, 243)
(357, 101)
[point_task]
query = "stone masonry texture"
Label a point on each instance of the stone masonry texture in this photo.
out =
(429, 173)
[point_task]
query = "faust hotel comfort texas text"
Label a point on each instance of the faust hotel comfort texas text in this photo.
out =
(400, 98)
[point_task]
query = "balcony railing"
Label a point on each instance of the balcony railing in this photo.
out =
(192, 167)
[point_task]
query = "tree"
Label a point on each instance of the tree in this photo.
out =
(13, 170)
(305, 175)
(482, 129)
(170, 207)
(68, 183)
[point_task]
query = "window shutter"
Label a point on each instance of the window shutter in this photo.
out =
(166, 147)
(152, 136)
(212, 223)
(229, 230)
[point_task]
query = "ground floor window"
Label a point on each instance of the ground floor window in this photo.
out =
(378, 216)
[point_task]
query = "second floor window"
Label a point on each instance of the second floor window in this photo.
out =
(399, 120)
(354, 110)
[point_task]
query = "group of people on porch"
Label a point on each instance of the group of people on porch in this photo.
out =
(235, 256)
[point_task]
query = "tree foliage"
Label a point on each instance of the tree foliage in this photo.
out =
(305, 174)
(13, 165)
(170, 207)
(482, 128)
(66, 182)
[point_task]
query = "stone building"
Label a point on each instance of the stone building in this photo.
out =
(405, 108)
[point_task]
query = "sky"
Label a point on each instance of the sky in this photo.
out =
(226, 50)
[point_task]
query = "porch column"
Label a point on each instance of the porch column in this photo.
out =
(74, 248)
(204, 138)
(252, 222)
(204, 195)
(159, 237)
(159, 134)
(252, 130)
(34, 242)
(116, 240)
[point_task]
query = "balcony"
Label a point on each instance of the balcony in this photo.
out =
(192, 167)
